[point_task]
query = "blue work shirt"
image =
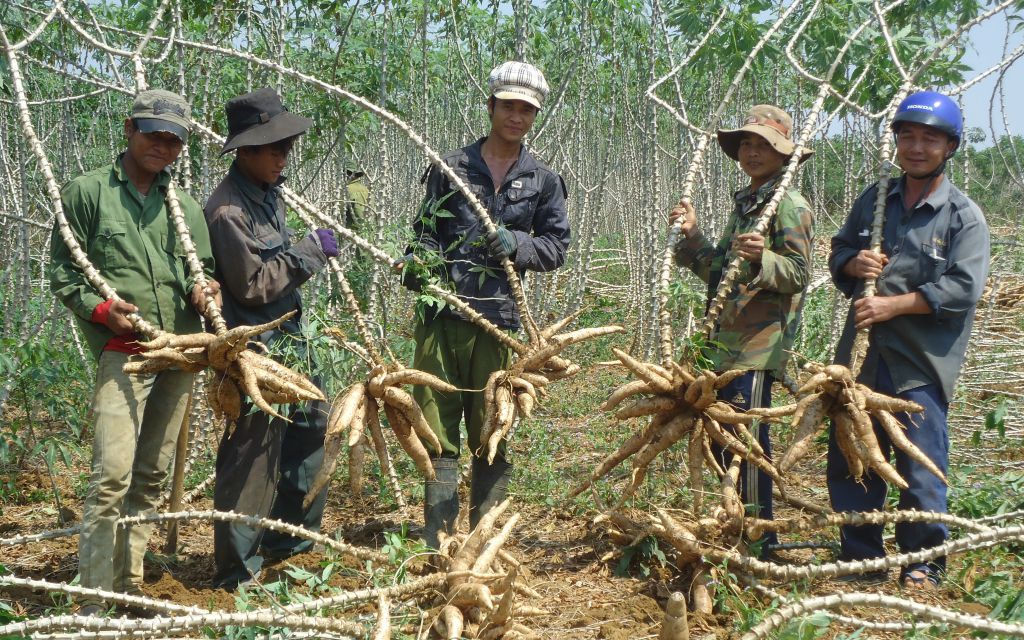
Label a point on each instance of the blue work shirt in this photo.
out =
(940, 249)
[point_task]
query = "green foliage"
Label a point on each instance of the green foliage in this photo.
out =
(47, 408)
(994, 579)
(974, 494)
(314, 354)
(645, 554)
(7, 615)
(315, 582)
(810, 627)
(399, 547)
(698, 349)
(995, 420)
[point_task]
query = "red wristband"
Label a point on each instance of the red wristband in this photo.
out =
(102, 312)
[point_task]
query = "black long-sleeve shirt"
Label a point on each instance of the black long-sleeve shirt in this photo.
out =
(530, 202)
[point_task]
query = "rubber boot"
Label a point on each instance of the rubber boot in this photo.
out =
(488, 487)
(441, 500)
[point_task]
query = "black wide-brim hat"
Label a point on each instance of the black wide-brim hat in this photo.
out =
(259, 118)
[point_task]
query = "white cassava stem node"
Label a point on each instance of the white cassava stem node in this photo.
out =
(921, 612)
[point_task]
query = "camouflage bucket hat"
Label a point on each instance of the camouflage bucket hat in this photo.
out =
(768, 121)
(160, 110)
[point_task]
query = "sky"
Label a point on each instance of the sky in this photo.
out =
(985, 50)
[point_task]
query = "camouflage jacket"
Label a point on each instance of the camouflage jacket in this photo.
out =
(762, 314)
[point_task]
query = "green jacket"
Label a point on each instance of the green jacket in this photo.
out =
(357, 196)
(760, 318)
(131, 241)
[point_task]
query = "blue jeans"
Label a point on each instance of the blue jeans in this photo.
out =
(926, 492)
(743, 394)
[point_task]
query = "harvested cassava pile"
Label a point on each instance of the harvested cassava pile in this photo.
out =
(831, 391)
(682, 405)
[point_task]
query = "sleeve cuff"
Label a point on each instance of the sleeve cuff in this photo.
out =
(524, 250)
(764, 277)
(928, 290)
(311, 252)
(687, 247)
(843, 282)
(101, 312)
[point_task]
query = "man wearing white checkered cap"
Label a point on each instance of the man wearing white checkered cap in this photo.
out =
(526, 200)
(518, 81)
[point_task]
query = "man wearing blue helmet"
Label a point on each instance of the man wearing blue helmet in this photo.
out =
(930, 275)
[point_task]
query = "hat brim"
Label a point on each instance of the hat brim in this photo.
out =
(515, 95)
(729, 140)
(283, 125)
(153, 125)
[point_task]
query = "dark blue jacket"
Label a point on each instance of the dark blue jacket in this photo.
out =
(530, 202)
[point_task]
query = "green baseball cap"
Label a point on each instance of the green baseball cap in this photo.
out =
(160, 110)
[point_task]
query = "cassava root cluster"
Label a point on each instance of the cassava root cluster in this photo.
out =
(238, 369)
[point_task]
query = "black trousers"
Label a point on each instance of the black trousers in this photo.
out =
(264, 468)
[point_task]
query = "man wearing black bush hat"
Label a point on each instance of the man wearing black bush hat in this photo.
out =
(264, 465)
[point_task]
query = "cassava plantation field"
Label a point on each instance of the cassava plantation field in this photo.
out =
(638, 89)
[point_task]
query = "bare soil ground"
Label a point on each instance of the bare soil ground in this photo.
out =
(562, 553)
(567, 558)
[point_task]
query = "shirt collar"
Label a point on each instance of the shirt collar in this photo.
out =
(524, 162)
(250, 189)
(936, 199)
(747, 200)
(162, 179)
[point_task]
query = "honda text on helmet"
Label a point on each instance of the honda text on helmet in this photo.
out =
(935, 110)
(932, 109)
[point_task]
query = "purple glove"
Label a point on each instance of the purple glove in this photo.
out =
(325, 238)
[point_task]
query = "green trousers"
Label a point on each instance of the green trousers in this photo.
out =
(464, 355)
(137, 424)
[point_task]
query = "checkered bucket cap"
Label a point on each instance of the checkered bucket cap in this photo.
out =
(518, 81)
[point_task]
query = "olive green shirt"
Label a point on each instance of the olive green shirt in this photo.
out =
(131, 241)
(357, 196)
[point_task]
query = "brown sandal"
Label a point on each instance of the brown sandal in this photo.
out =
(919, 578)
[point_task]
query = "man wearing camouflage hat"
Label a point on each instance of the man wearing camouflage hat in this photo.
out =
(120, 218)
(526, 200)
(758, 324)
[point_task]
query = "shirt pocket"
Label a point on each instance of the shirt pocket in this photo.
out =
(933, 259)
(173, 245)
(269, 242)
(112, 245)
(520, 206)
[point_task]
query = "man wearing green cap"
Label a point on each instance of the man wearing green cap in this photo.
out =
(120, 218)
(264, 465)
(759, 321)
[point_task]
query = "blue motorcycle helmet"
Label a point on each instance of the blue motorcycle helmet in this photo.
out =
(933, 109)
